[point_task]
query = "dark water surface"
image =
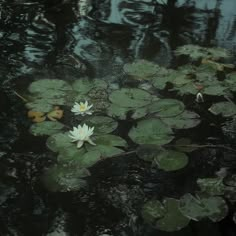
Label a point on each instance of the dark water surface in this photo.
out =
(60, 39)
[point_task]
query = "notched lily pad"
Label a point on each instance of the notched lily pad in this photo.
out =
(101, 124)
(141, 69)
(166, 217)
(46, 128)
(197, 208)
(226, 109)
(169, 160)
(151, 131)
(61, 178)
(130, 97)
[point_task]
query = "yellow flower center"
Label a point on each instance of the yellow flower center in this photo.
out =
(82, 108)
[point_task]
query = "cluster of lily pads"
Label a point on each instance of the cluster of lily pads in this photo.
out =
(93, 108)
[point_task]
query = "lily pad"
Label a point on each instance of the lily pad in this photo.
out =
(197, 208)
(153, 210)
(61, 178)
(121, 113)
(107, 145)
(130, 97)
(230, 81)
(226, 109)
(49, 87)
(59, 141)
(148, 152)
(185, 120)
(166, 217)
(101, 124)
(196, 52)
(83, 86)
(46, 128)
(141, 69)
(169, 160)
(166, 108)
(212, 186)
(151, 131)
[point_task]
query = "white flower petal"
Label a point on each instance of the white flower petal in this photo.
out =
(80, 144)
(91, 142)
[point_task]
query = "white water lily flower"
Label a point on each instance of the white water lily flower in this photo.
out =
(81, 134)
(199, 97)
(82, 108)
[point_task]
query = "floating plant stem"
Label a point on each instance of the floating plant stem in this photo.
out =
(21, 97)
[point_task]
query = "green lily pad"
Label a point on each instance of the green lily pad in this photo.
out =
(169, 160)
(61, 178)
(47, 93)
(46, 128)
(166, 217)
(59, 141)
(212, 186)
(151, 131)
(130, 97)
(166, 108)
(101, 124)
(185, 145)
(148, 152)
(185, 120)
(153, 210)
(173, 220)
(230, 81)
(107, 145)
(196, 52)
(49, 87)
(226, 109)
(121, 113)
(141, 69)
(197, 208)
(83, 86)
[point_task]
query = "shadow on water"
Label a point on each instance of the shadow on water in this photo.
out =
(61, 39)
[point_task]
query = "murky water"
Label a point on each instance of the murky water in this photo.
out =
(68, 40)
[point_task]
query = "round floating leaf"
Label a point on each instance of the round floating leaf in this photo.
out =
(49, 87)
(173, 219)
(151, 131)
(212, 186)
(215, 90)
(141, 69)
(153, 210)
(46, 128)
(107, 145)
(71, 155)
(185, 145)
(101, 124)
(130, 97)
(148, 152)
(197, 208)
(40, 105)
(166, 107)
(185, 120)
(230, 81)
(169, 160)
(122, 112)
(83, 86)
(59, 141)
(226, 109)
(60, 178)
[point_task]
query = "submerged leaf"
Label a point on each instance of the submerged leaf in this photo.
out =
(61, 178)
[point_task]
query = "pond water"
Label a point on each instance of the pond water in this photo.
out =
(164, 117)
